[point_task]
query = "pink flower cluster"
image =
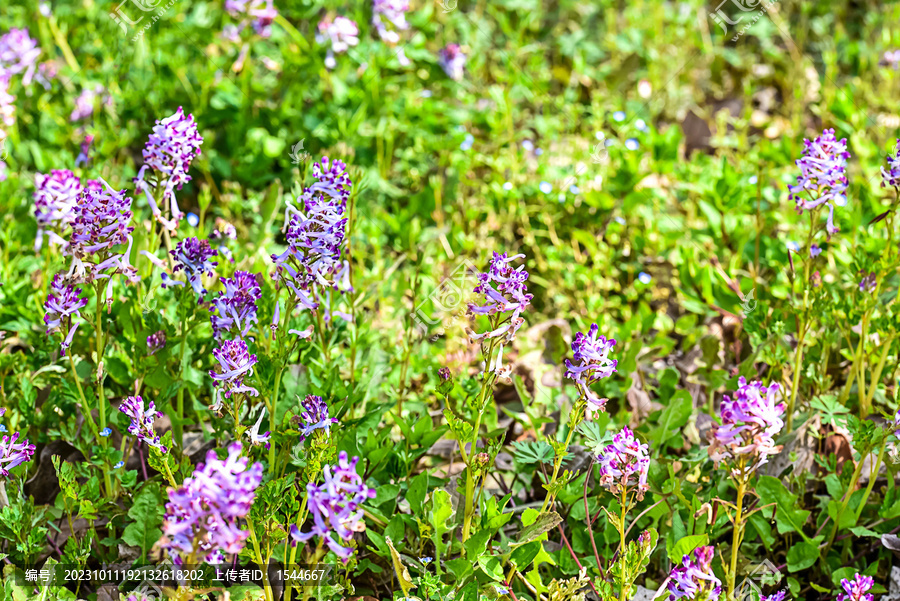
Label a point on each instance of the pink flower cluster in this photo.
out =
(857, 588)
(261, 12)
(236, 306)
(235, 363)
(314, 417)
(341, 33)
(194, 258)
(452, 61)
(203, 517)
(624, 464)
(750, 421)
(336, 506)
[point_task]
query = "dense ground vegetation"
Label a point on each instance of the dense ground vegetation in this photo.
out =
(490, 300)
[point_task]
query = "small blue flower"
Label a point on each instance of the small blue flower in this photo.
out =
(426, 93)
(468, 142)
(118, 465)
(3, 428)
(574, 189)
(641, 125)
(193, 220)
(632, 144)
(620, 220)
(426, 560)
(599, 135)
(619, 116)
(105, 432)
(502, 590)
(793, 246)
(644, 277)
(507, 186)
(538, 151)
(546, 187)
(840, 200)
(753, 179)
(528, 145)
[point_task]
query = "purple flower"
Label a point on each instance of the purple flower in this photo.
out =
(815, 251)
(224, 230)
(868, 283)
(694, 579)
(445, 374)
(55, 198)
(314, 417)
(142, 421)
(592, 364)
(856, 589)
(335, 506)
(193, 256)
(64, 303)
(255, 437)
(102, 218)
(155, 342)
(624, 464)
(822, 175)
(890, 177)
(18, 54)
(14, 453)
(452, 61)
(236, 306)
(262, 12)
(205, 513)
(341, 32)
(389, 17)
(891, 58)
(235, 362)
(779, 596)
(173, 144)
(750, 421)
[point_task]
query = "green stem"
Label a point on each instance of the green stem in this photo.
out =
(178, 426)
(470, 473)
(101, 399)
(85, 408)
(272, 414)
(622, 591)
(853, 480)
(738, 531)
(556, 465)
(264, 565)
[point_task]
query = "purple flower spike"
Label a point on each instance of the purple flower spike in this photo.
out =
(156, 342)
(823, 176)
(63, 306)
(236, 306)
(694, 579)
(173, 145)
(235, 362)
(55, 197)
(857, 588)
(624, 464)
(206, 512)
(14, 453)
(452, 61)
(102, 221)
(341, 32)
(592, 364)
(750, 421)
(890, 177)
(335, 506)
(193, 256)
(332, 185)
(314, 417)
(142, 421)
(505, 291)
(779, 596)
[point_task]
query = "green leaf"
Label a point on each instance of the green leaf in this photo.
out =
(674, 416)
(525, 554)
(533, 452)
(146, 511)
(415, 495)
(491, 566)
(803, 555)
(685, 545)
(788, 517)
(544, 523)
